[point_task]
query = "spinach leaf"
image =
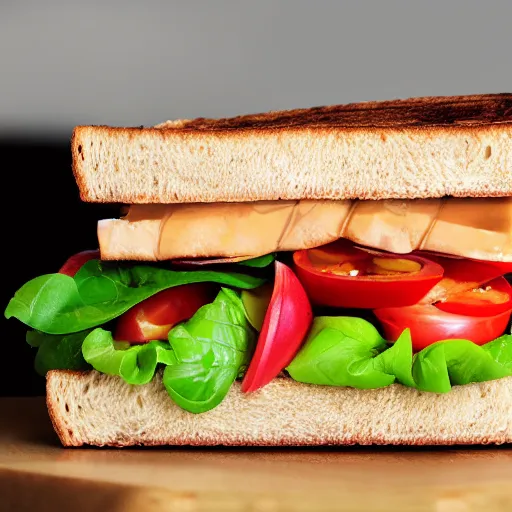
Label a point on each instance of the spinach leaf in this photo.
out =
(212, 349)
(100, 292)
(259, 262)
(136, 364)
(437, 367)
(202, 358)
(346, 351)
(501, 350)
(55, 352)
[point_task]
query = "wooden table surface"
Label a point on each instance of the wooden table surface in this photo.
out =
(37, 474)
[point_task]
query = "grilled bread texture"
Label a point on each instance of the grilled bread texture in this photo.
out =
(402, 149)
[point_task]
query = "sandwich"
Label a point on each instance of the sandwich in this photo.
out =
(326, 276)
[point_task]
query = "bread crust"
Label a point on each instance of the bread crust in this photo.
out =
(430, 113)
(97, 409)
(402, 149)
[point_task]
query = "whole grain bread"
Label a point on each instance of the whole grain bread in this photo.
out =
(403, 149)
(96, 409)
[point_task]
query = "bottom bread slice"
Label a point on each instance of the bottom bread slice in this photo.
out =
(96, 409)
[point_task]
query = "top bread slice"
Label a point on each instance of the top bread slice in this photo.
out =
(403, 149)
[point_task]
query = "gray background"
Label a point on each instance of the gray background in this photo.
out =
(130, 63)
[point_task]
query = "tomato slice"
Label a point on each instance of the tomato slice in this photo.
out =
(286, 323)
(75, 262)
(342, 275)
(490, 299)
(429, 324)
(153, 318)
(505, 267)
(460, 275)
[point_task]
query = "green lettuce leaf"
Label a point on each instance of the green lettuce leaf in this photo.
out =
(212, 349)
(259, 262)
(202, 358)
(445, 363)
(501, 350)
(347, 351)
(100, 292)
(55, 352)
(136, 364)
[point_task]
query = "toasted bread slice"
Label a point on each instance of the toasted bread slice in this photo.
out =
(97, 409)
(404, 149)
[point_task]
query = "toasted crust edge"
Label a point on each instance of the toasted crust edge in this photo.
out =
(415, 113)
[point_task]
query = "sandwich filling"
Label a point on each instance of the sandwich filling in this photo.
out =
(340, 293)
(473, 228)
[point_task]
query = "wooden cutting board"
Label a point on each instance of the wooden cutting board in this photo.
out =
(38, 475)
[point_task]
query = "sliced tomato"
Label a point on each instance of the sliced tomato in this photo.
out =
(153, 318)
(505, 267)
(429, 324)
(460, 275)
(489, 299)
(75, 262)
(342, 275)
(286, 323)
